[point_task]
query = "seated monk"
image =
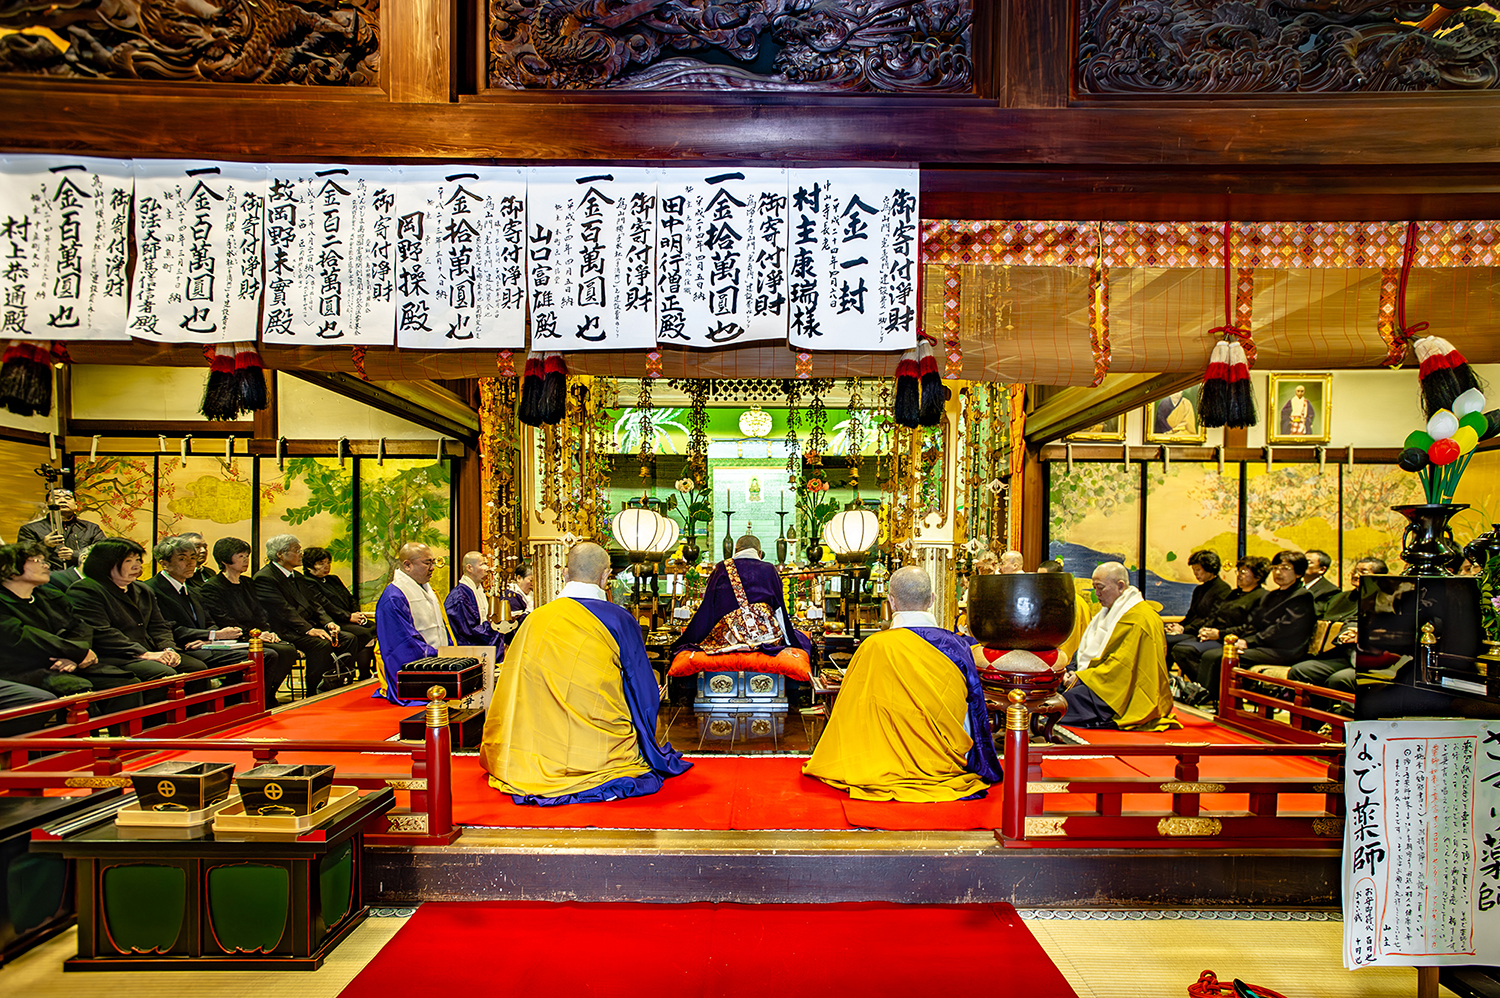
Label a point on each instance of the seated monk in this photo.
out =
(762, 584)
(910, 722)
(1121, 669)
(1083, 612)
(573, 718)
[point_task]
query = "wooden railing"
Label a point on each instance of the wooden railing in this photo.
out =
(1188, 821)
(429, 820)
(240, 697)
(1242, 705)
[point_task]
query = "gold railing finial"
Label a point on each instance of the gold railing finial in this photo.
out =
(437, 707)
(1017, 717)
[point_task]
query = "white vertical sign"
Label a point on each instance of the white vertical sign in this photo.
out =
(460, 242)
(64, 241)
(330, 255)
(1422, 843)
(853, 259)
(591, 258)
(721, 256)
(198, 229)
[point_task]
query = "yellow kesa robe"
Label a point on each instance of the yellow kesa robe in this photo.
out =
(897, 728)
(1083, 612)
(1131, 674)
(558, 722)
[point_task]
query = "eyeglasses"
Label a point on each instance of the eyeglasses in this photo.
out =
(36, 561)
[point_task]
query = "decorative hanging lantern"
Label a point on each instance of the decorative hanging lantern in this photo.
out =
(756, 422)
(852, 533)
(642, 531)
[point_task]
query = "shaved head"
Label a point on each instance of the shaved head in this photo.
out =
(1011, 563)
(472, 558)
(417, 561)
(1110, 582)
(587, 562)
(911, 589)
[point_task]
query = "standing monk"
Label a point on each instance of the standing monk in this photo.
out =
(408, 618)
(910, 722)
(573, 718)
(1121, 668)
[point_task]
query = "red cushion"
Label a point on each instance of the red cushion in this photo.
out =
(789, 662)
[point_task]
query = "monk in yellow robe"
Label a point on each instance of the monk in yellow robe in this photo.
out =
(910, 722)
(1120, 669)
(573, 717)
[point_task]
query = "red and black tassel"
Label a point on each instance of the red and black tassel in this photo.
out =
(1444, 374)
(249, 377)
(554, 401)
(221, 392)
(906, 409)
(26, 377)
(1213, 400)
(931, 382)
(1241, 411)
(528, 409)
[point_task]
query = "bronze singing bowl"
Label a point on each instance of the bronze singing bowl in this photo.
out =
(1032, 611)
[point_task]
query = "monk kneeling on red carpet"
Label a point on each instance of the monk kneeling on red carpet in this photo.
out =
(910, 722)
(573, 717)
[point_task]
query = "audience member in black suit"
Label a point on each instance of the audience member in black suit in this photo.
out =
(1207, 595)
(296, 614)
(1279, 628)
(202, 573)
(1315, 579)
(1230, 615)
(63, 579)
(340, 604)
(46, 645)
(192, 627)
(230, 600)
(129, 629)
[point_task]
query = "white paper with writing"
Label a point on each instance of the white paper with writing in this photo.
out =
(1422, 843)
(198, 229)
(721, 256)
(460, 258)
(852, 259)
(64, 242)
(330, 255)
(591, 258)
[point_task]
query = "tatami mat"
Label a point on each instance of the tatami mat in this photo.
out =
(1160, 957)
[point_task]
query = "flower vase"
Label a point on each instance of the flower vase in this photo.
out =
(690, 551)
(1427, 545)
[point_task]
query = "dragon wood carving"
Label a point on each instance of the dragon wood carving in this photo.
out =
(322, 42)
(880, 46)
(1223, 47)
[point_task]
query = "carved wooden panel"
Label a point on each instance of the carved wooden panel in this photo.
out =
(830, 46)
(318, 42)
(1223, 47)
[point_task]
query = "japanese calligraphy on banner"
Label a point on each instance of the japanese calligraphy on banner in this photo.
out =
(721, 257)
(198, 230)
(591, 258)
(1422, 843)
(853, 259)
(330, 255)
(460, 242)
(64, 241)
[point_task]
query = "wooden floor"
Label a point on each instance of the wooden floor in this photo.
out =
(1122, 955)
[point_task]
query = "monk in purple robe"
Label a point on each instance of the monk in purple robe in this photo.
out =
(762, 585)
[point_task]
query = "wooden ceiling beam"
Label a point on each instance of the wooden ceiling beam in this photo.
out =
(1073, 409)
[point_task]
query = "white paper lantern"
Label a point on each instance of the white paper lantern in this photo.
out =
(642, 531)
(670, 541)
(854, 531)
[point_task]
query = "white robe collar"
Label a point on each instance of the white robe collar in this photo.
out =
(581, 590)
(426, 610)
(912, 618)
(750, 553)
(1096, 635)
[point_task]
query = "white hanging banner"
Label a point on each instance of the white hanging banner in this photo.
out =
(591, 258)
(721, 256)
(198, 229)
(853, 259)
(460, 238)
(64, 240)
(330, 255)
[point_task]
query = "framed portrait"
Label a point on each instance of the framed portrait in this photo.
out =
(1111, 430)
(1299, 408)
(1173, 419)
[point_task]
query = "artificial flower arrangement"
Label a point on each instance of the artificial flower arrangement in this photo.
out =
(1439, 454)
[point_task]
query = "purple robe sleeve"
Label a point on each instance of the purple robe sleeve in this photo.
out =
(400, 642)
(463, 616)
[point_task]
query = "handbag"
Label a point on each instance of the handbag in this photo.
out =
(745, 628)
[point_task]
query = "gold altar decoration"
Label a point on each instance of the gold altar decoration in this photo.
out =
(574, 469)
(502, 528)
(1192, 788)
(1181, 827)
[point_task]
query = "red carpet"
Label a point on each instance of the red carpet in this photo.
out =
(705, 950)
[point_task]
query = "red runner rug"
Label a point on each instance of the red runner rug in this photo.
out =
(706, 950)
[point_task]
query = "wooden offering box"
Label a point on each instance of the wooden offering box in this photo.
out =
(278, 789)
(457, 676)
(182, 785)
